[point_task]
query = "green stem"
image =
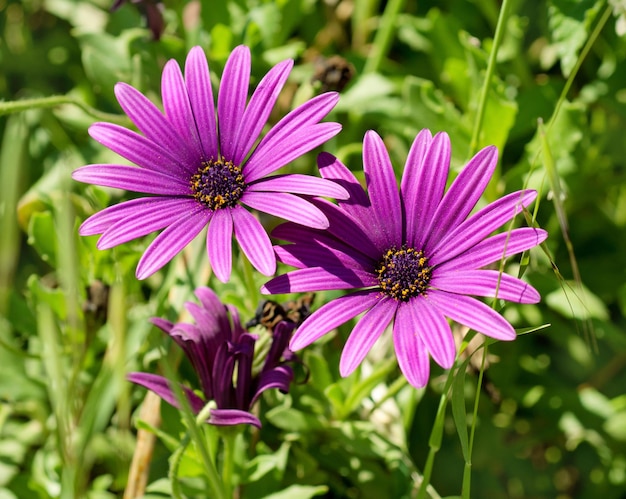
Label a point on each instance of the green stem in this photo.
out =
(195, 432)
(436, 435)
(467, 470)
(228, 436)
(384, 36)
(18, 106)
(491, 66)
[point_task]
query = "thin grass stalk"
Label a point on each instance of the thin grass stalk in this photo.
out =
(384, 36)
(491, 66)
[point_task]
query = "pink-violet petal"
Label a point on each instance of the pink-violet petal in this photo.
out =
(280, 377)
(320, 279)
(462, 195)
(231, 417)
(486, 283)
(146, 221)
(322, 255)
(496, 248)
(170, 242)
(411, 353)
(153, 124)
(163, 324)
(231, 100)
(137, 148)
(301, 119)
(161, 386)
(219, 244)
(295, 145)
(287, 206)
(132, 178)
(386, 224)
(424, 182)
(432, 328)
(332, 315)
(259, 108)
(178, 108)
(299, 184)
(472, 313)
(254, 241)
(101, 221)
(480, 225)
(332, 169)
(367, 330)
(198, 81)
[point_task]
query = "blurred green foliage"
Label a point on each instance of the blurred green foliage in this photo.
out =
(552, 415)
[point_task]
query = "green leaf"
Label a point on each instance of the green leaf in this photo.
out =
(299, 492)
(570, 22)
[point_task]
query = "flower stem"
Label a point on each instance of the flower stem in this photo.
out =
(467, 470)
(195, 432)
(436, 435)
(491, 65)
(384, 36)
(228, 436)
(18, 106)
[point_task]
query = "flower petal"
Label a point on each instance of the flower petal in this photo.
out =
(472, 313)
(178, 108)
(322, 255)
(319, 279)
(137, 148)
(480, 225)
(231, 100)
(496, 248)
(462, 195)
(299, 124)
(259, 108)
(170, 242)
(411, 353)
(365, 333)
(198, 81)
(231, 417)
(254, 241)
(101, 221)
(432, 328)
(132, 178)
(144, 222)
(287, 206)
(153, 124)
(280, 377)
(219, 244)
(346, 228)
(161, 386)
(386, 226)
(295, 145)
(358, 203)
(332, 315)
(299, 184)
(424, 182)
(486, 283)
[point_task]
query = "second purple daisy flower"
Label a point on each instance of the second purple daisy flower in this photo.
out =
(411, 256)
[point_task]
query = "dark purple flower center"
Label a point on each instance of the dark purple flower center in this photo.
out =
(403, 273)
(217, 184)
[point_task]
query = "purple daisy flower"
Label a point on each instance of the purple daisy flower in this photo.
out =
(221, 351)
(203, 169)
(413, 255)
